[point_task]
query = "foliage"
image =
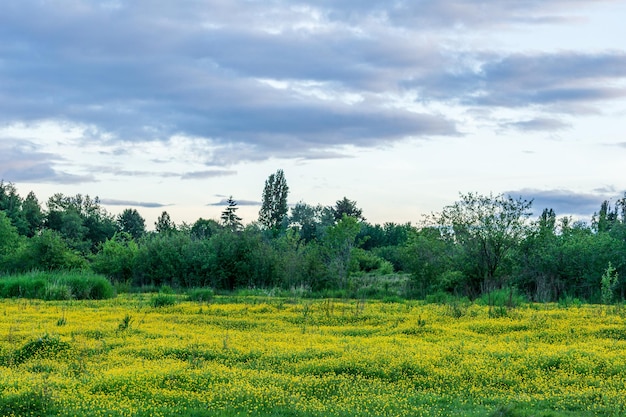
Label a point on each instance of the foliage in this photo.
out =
(230, 220)
(131, 222)
(160, 259)
(346, 207)
(164, 224)
(486, 229)
(478, 245)
(274, 201)
(116, 257)
(200, 294)
(163, 300)
(609, 283)
(56, 286)
(46, 251)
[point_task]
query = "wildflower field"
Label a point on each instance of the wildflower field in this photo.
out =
(260, 356)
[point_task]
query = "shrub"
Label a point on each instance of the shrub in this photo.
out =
(57, 286)
(505, 297)
(163, 300)
(200, 294)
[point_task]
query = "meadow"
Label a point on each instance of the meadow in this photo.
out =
(279, 356)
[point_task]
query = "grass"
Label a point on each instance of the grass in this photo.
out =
(57, 286)
(271, 356)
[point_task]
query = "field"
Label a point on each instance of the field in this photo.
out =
(291, 357)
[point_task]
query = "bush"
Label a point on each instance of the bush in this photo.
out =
(505, 297)
(57, 286)
(200, 294)
(163, 300)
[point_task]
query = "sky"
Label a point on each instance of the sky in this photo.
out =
(400, 105)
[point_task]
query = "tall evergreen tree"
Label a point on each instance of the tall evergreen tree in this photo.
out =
(274, 206)
(229, 216)
(348, 208)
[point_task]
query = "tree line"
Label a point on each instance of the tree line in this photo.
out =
(479, 244)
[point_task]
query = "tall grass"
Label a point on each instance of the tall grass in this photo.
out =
(67, 285)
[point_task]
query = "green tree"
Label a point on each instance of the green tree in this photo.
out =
(131, 222)
(339, 241)
(11, 204)
(204, 229)
(9, 239)
(307, 220)
(81, 220)
(229, 217)
(164, 224)
(33, 214)
(609, 283)
(427, 256)
(486, 228)
(538, 267)
(47, 251)
(274, 201)
(346, 207)
(116, 257)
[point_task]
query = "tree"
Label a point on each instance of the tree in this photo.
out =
(116, 257)
(8, 236)
(164, 224)
(339, 241)
(82, 222)
(204, 229)
(486, 228)
(32, 214)
(131, 222)
(11, 204)
(229, 217)
(348, 208)
(274, 203)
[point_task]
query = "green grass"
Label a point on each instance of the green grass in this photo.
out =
(69, 285)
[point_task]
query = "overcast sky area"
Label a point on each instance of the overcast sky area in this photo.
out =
(175, 105)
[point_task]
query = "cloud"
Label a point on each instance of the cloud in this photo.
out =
(208, 174)
(538, 124)
(114, 202)
(224, 202)
(20, 161)
(561, 80)
(565, 202)
(261, 80)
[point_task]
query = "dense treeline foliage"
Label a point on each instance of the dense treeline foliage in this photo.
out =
(475, 246)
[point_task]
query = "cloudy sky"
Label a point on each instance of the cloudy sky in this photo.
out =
(399, 105)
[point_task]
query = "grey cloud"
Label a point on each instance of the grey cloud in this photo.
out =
(522, 80)
(143, 71)
(457, 13)
(208, 174)
(113, 202)
(564, 202)
(22, 162)
(538, 124)
(224, 202)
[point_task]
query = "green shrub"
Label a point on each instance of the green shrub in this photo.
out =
(23, 286)
(505, 297)
(200, 294)
(163, 300)
(57, 286)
